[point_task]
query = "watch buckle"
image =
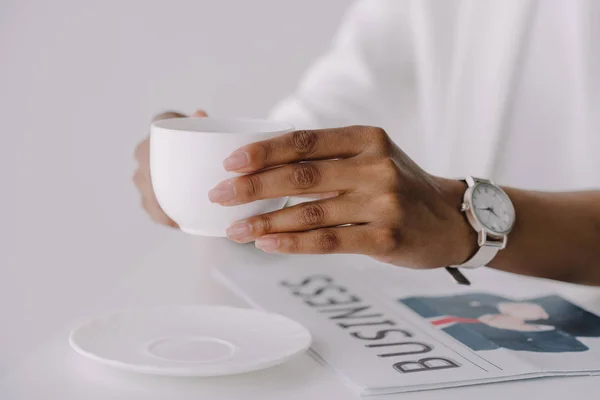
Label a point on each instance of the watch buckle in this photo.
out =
(483, 239)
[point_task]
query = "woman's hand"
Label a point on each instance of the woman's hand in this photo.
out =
(141, 176)
(387, 206)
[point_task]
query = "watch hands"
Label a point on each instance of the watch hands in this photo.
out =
(489, 209)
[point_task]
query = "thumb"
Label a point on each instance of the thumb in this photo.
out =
(200, 113)
(168, 115)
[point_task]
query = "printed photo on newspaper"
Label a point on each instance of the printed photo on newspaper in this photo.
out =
(385, 335)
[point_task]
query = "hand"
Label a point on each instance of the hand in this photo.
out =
(513, 323)
(387, 207)
(141, 177)
(524, 310)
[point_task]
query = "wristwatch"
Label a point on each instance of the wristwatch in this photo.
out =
(491, 213)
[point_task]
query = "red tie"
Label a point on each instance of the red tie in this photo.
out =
(456, 320)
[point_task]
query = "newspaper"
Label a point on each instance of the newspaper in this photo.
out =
(385, 335)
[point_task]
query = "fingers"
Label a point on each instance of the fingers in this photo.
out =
(317, 196)
(355, 239)
(142, 182)
(302, 146)
(142, 152)
(288, 180)
(199, 113)
(175, 114)
(341, 210)
(168, 115)
(150, 204)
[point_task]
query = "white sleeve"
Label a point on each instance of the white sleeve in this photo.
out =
(364, 78)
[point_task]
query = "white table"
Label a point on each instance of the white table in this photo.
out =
(178, 272)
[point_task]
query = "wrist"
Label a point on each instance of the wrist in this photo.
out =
(461, 235)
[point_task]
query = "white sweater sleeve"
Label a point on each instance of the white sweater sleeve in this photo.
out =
(366, 76)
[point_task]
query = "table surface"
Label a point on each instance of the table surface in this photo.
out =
(179, 272)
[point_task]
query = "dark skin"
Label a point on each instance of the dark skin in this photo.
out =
(392, 210)
(555, 236)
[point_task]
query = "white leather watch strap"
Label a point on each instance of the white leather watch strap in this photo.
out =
(488, 245)
(484, 255)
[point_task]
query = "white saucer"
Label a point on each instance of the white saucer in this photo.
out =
(191, 340)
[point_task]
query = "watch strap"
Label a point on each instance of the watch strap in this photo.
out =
(488, 246)
(482, 257)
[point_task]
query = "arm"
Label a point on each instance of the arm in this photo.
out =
(555, 236)
(390, 209)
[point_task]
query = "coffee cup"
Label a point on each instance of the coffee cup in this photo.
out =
(186, 161)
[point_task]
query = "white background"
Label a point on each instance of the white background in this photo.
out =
(79, 82)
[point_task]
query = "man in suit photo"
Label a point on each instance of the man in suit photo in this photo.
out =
(482, 321)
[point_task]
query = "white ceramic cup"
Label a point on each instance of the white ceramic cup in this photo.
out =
(186, 161)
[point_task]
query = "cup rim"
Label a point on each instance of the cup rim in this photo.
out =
(222, 125)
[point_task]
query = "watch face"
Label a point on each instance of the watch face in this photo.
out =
(493, 208)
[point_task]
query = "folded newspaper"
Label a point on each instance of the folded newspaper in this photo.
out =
(384, 331)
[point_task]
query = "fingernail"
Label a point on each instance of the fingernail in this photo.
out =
(240, 232)
(237, 160)
(267, 243)
(221, 193)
